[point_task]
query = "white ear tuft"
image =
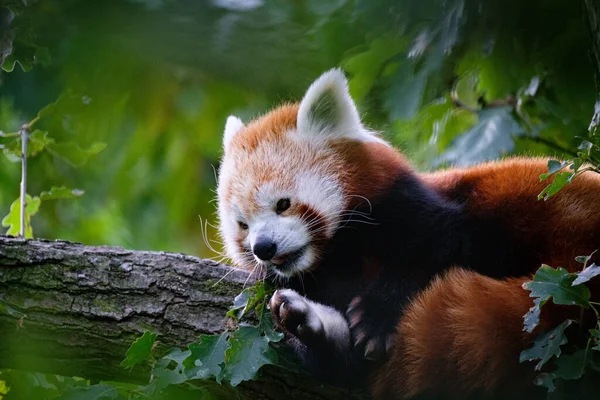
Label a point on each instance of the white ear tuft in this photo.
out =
(327, 108)
(232, 126)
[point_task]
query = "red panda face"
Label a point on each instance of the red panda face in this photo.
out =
(282, 187)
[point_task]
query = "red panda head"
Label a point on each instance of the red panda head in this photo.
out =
(290, 178)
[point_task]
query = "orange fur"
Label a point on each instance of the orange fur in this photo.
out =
(269, 127)
(369, 168)
(559, 229)
(462, 336)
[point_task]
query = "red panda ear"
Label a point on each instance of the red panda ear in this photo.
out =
(232, 126)
(327, 108)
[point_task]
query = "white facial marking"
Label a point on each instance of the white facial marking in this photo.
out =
(324, 194)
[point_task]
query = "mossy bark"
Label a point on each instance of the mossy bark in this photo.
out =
(73, 310)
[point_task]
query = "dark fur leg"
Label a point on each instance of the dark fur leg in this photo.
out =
(319, 335)
(373, 316)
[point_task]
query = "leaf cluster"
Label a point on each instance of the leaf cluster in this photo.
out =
(232, 357)
(208, 369)
(567, 289)
(38, 141)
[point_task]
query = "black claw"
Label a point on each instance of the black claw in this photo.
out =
(372, 326)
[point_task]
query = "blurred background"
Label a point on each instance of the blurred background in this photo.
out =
(450, 82)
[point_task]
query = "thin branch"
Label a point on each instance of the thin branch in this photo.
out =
(551, 144)
(24, 138)
(30, 124)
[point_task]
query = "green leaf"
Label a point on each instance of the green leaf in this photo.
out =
(42, 56)
(47, 110)
(267, 327)
(568, 367)
(555, 166)
(546, 346)
(545, 380)
(249, 351)
(206, 356)
(94, 392)
(406, 91)
(169, 370)
(571, 366)
(38, 140)
(73, 154)
(560, 180)
(60, 192)
(577, 163)
(247, 300)
(490, 138)
(140, 351)
(239, 303)
(532, 318)
(557, 284)
(365, 67)
(9, 63)
(13, 220)
(588, 273)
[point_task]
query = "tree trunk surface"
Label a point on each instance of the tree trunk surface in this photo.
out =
(74, 310)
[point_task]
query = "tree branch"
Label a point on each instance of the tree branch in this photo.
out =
(73, 310)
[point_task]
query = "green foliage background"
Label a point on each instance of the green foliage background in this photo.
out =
(450, 82)
(155, 80)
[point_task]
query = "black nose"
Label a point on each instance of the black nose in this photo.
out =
(264, 248)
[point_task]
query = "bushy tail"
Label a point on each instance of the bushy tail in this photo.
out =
(461, 338)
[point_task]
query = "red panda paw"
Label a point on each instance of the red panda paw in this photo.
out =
(295, 315)
(373, 331)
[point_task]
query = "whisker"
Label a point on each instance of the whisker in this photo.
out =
(364, 198)
(214, 172)
(249, 276)
(204, 230)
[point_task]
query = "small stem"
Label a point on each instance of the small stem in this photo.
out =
(594, 309)
(32, 122)
(9, 135)
(24, 137)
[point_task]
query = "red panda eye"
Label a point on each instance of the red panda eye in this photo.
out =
(282, 205)
(243, 225)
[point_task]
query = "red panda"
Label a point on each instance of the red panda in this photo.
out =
(408, 283)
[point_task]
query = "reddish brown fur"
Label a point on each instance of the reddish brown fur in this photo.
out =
(561, 228)
(370, 167)
(465, 331)
(267, 128)
(463, 335)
